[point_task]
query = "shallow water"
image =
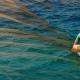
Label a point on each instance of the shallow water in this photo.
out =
(35, 41)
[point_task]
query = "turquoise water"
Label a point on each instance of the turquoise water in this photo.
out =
(37, 45)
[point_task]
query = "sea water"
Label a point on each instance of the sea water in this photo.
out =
(33, 59)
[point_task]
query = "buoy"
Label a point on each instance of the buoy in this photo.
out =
(76, 45)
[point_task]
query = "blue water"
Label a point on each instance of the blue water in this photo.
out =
(37, 58)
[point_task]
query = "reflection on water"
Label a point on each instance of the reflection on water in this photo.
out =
(31, 48)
